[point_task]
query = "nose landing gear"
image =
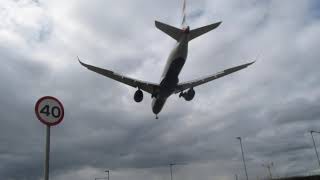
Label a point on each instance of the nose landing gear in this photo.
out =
(157, 116)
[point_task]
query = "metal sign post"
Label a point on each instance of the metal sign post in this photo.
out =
(50, 112)
(47, 153)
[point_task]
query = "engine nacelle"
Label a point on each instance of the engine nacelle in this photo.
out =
(138, 96)
(189, 95)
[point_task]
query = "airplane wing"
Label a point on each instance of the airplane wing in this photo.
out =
(143, 85)
(190, 84)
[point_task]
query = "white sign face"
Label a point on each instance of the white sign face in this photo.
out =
(49, 110)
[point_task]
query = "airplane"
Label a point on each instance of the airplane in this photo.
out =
(169, 82)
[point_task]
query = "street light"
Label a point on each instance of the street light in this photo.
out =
(107, 178)
(108, 171)
(244, 162)
(269, 168)
(171, 169)
(174, 164)
(314, 144)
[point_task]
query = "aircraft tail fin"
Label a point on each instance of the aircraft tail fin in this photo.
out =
(173, 32)
(200, 31)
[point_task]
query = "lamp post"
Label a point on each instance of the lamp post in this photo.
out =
(314, 144)
(269, 168)
(108, 171)
(107, 178)
(171, 169)
(171, 166)
(244, 162)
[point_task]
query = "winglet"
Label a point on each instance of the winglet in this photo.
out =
(83, 64)
(79, 60)
(246, 65)
(251, 63)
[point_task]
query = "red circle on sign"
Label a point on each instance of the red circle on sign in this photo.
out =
(43, 120)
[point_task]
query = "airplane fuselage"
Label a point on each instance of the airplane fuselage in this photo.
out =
(169, 79)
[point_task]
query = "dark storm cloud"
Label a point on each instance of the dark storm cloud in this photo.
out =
(272, 104)
(19, 144)
(299, 110)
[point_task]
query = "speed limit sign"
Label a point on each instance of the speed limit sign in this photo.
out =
(49, 110)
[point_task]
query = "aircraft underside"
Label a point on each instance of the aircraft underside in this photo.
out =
(169, 83)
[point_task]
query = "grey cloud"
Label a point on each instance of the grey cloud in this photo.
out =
(272, 104)
(297, 111)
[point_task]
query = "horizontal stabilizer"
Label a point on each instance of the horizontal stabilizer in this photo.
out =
(200, 31)
(173, 32)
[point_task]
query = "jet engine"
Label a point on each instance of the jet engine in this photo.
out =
(138, 96)
(189, 95)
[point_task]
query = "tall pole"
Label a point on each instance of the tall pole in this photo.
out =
(108, 171)
(47, 153)
(269, 168)
(315, 147)
(171, 170)
(244, 162)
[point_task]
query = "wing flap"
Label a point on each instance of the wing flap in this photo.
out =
(190, 84)
(143, 85)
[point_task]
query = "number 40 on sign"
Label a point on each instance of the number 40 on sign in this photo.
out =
(49, 110)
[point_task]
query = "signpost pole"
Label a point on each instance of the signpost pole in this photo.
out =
(49, 110)
(47, 154)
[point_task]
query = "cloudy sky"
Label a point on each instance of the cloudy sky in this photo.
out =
(272, 104)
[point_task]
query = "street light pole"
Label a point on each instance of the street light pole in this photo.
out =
(108, 171)
(244, 162)
(269, 168)
(314, 144)
(171, 169)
